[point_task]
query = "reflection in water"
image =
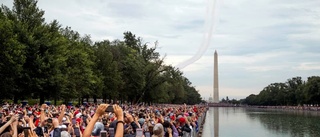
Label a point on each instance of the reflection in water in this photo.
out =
(216, 121)
(294, 123)
(243, 122)
(212, 121)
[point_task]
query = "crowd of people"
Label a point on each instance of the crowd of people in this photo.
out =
(92, 120)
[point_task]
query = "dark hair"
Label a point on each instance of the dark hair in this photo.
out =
(6, 129)
(55, 115)
(164, 113)
(64, 129)
(166, 124)
(6, 134)
(20, 129)
(150, 129)
(141, 115)
(104, 121)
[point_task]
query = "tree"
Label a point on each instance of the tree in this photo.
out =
(79, 66)
(312, 90)
(293, 85)
(107, 66)
(223, 100)
(42, 49)
(43, 60)
(12, 56)
(294, 92)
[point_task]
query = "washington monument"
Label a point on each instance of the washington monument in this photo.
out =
(215, 79)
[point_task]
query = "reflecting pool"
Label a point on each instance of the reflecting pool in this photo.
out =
(250, 122)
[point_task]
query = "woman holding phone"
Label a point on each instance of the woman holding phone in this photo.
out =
(100, 112)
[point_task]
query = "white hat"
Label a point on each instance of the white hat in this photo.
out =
(62, 126)
(78, 115)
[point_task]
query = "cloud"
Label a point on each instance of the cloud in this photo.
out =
(263, 68)
(308, 66)
(258, 42)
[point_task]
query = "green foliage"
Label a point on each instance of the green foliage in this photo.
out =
(12, 56)
(294, 92)
(312, 90)
(43, 61)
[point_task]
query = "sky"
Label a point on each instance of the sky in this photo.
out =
(259, 42)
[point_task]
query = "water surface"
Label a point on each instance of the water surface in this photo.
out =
(245, 122)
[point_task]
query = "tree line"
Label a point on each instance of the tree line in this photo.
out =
(47, 61)
(293, 92)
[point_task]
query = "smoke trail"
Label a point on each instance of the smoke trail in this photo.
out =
(209, 26)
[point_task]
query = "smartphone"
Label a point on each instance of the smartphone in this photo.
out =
(139, 132)
(45, 130)
(109, 108)
(21, 116)
(147, 134)
(0, 115)
(111, 132)
(26, 131)
(77, 132)
(103, 134)
(73, 121)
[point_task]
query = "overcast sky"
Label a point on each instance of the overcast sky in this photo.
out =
(258, 41)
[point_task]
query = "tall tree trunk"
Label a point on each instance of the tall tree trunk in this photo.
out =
(55, 100)
(41, 98)
(104, 99)
(15, 99)
(95, 99)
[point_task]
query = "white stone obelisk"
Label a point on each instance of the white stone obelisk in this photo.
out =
(215, 79)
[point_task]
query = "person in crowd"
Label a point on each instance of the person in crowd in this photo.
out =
(90, 120)
(158, 131)
(183, 126)
(99, 112)
(10, 127)
(169, 128)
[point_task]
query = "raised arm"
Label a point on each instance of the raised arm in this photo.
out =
(8, 124)
(63, 108)
(31, 124)
(43, 113)
(120, 124)
(99, 112)
(15, 126)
